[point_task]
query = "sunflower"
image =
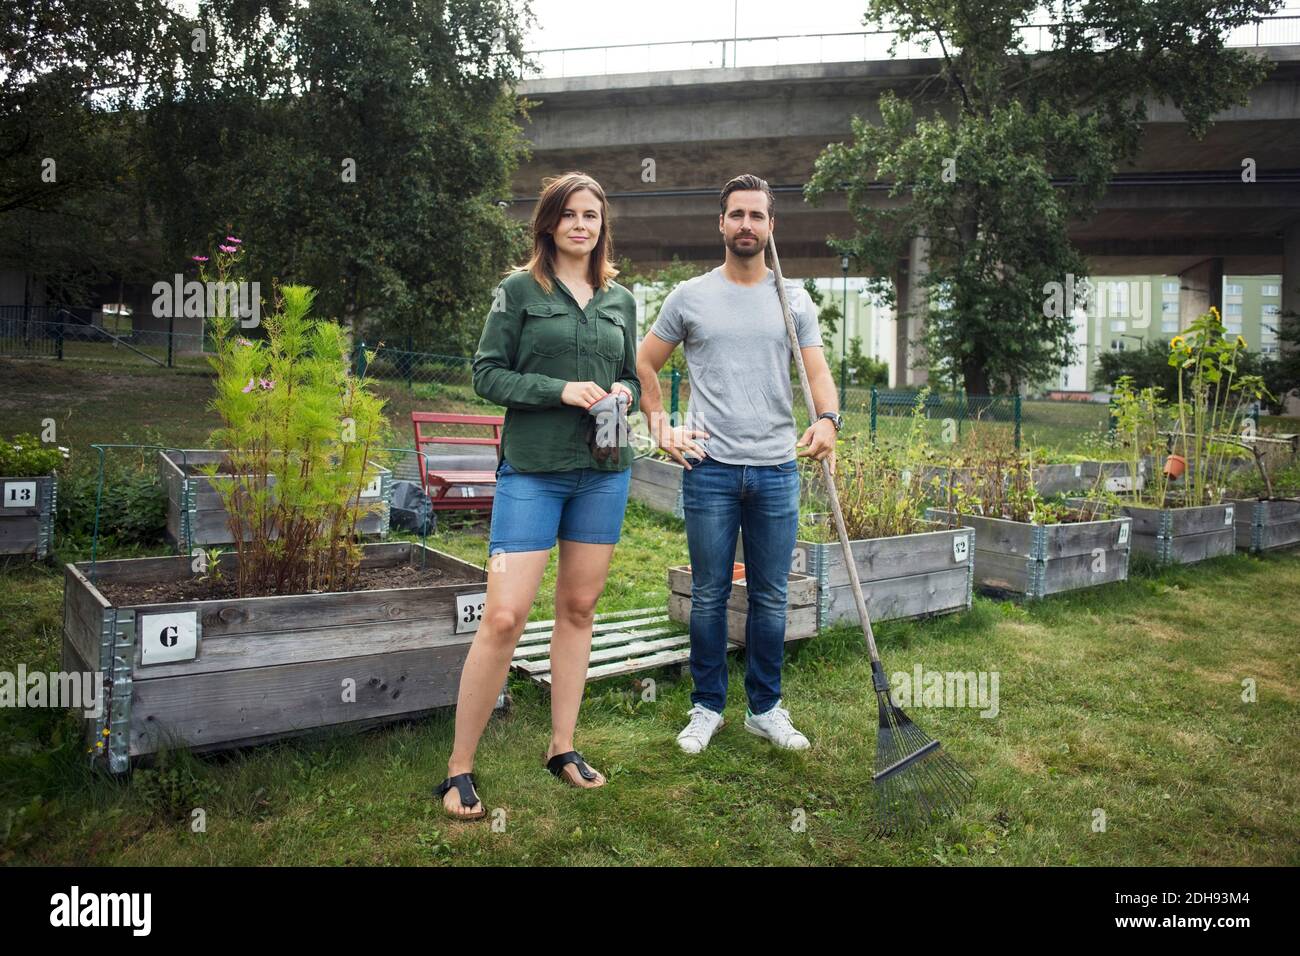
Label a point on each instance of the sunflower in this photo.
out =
(1241, 343)
(1176, 343)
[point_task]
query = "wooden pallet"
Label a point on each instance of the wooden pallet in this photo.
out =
(622, 642)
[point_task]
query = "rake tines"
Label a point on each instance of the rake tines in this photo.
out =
(916, 781)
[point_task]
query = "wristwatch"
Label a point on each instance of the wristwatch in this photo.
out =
(836, 419)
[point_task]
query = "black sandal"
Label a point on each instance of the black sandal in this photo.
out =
(557, 764)
(466, 787)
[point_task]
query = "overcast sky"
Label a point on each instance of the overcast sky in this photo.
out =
(638, 21)
(648, 21)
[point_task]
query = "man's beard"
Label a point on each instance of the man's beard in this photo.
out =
(756, 248)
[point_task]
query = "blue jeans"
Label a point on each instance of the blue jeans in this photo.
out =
(761, 501)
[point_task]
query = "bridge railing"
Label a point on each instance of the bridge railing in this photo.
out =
(791, 49)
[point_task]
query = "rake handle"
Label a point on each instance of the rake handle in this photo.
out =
(838, 514)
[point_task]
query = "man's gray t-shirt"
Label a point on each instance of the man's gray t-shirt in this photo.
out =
(738, 354)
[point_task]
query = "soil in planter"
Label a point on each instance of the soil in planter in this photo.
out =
(128, 594)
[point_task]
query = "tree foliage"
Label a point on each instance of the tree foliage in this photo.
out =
(1017, 144)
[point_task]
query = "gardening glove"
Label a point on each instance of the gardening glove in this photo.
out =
(607, 428)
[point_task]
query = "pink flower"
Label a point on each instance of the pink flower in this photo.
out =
(234, 240)
(228, 248)
(199, 258)
(244, 342)
(266, 383)
(247, 388)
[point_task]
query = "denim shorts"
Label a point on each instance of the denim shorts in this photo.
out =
(532, 508)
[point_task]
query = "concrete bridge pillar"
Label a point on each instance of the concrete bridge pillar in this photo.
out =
(1291, 268)
(909, 368)
(1200, 287)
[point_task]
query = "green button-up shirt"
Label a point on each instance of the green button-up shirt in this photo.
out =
(533, 344)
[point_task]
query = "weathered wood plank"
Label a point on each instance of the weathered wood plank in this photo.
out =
(611, 639)
(83, 612)
(19, 534)
(1190, 548)
(800, 589)
(880, 558)
(636, 665)
(991, 534)
(1076, 571)
(1202, 519)
(204, 709)
(655, 496)
(619, 652)
(665, 474)
(539, 631)
(1059, 478)
(914, 595)
(1000, 571)
(800, 622)
(223, 652)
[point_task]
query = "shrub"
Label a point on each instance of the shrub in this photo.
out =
(300, 428)
(133, 510)
(25, 455)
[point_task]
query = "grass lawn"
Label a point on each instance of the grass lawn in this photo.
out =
(1125, 700)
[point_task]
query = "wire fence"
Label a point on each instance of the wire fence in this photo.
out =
(432, 381)
(59, 333)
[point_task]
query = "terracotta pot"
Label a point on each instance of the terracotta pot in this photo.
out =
(737, 571)
(1174, 465)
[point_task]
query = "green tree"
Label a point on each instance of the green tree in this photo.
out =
(362, 147)
(69, 141)
(1017, 146)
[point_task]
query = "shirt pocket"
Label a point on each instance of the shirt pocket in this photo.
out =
(611, 341)
(548, 331)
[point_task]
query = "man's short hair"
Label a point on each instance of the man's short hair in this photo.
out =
(749, 181)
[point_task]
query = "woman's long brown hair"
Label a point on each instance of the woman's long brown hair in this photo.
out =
(556, 191)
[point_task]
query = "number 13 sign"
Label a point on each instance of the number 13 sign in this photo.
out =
(20, 494)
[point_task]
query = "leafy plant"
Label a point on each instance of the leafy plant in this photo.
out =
(1141, 417)
(1211, 399)
(880, 483)
(25, 455)
(132, 505)
(1000, 484)
(175, 787)
(299, 427)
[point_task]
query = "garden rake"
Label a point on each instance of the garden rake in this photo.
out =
(916, 781)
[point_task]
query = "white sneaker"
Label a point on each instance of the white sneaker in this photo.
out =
(697, 734)
(775, 726)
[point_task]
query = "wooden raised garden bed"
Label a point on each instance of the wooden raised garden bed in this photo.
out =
(27, 507)
(1182, 535)
(1035, 560)
(197, 517)
(800, 615)
(658, 484)
(218, 673)
(1266, 525)
(1115, 476)
(1061, 479)
(907, 576)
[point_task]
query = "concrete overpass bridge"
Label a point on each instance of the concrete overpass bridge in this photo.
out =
(1180, 209)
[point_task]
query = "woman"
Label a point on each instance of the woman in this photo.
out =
(561, 337)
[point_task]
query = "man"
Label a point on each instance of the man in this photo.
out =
(740, 432)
